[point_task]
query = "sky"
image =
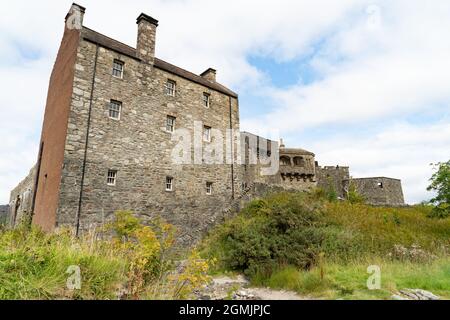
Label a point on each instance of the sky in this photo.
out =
(364, 84)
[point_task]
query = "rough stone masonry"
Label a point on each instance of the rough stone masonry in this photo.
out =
(107, 141)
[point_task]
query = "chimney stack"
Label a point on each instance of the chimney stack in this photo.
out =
(209, 74)
(75, 16)
(146, 38)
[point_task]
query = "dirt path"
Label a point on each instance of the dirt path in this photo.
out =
(237, 288)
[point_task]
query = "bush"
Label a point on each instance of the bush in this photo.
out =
(294, 228)
(134, 264)
(353, 195)
(285, 229)
(440, 183)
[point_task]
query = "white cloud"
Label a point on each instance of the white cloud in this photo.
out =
(401, 151)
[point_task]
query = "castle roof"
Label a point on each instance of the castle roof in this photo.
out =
(296, 151)
(109, 43)
(375, 178)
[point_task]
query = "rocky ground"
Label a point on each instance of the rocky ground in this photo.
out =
(238, 288)
(414, 294)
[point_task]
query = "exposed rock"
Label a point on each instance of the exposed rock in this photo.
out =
(414, 253)
(414, 294)
(225, 288)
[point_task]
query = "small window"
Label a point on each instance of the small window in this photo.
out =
(380, 185)
(170, 88)
(169, 184)
(209, 188)
(118, 69)
(207, 134)
(206, 99)
(299, 161)
(115, 107)
(244, 186)
(112, 177)
(170, 124)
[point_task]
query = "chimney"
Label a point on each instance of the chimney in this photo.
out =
(75, 16)
(209, 74)
(146, 38)
(282, 145)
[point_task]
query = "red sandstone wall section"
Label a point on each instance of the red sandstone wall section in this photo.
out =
(54, 131)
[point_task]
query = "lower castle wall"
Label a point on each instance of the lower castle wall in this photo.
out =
(380, 191)
(333, 177)
(21, 199)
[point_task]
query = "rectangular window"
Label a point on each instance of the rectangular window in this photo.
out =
(169, 184)
(207, 134)
(112, 177)
(206, 99)
(209, 188)
(170, 124)
(115, 107)
(170, 88)
(118, 69)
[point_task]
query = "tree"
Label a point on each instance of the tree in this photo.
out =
(440, 183)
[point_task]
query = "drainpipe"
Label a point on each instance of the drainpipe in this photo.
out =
(83, 173)
(232, 153)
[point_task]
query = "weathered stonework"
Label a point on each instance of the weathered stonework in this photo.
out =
(333, 178)
(4, 214)
(21, 199)
(379, 191)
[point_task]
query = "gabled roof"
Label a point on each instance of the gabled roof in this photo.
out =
(109, 43)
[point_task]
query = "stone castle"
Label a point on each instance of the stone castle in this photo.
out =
(110, 129)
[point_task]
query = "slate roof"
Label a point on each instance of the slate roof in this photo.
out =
(109, 43)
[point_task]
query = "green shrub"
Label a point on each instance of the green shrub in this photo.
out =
(134, 264)
(353, 195)
(440, 183)
(284, 229)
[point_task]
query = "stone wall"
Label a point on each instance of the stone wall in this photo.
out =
(139, 147)
(3, 214)
(380, 191)
(21, 199)
(332, 178)
(54, 129)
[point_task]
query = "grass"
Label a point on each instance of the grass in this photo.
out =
(134, 262)
(33, 265)
(412, 249)
(349, 281)
(365, 231)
